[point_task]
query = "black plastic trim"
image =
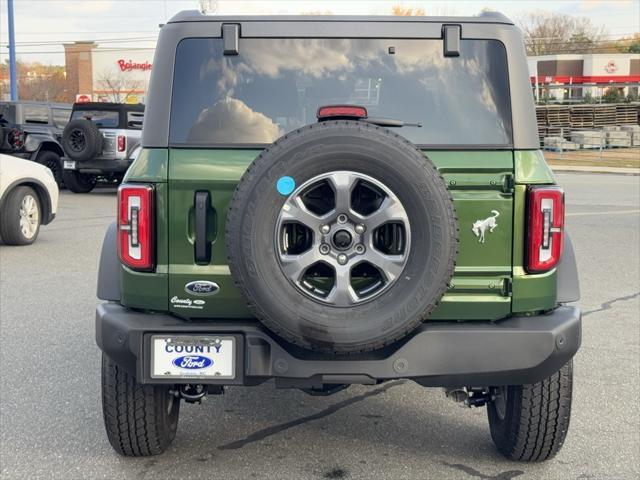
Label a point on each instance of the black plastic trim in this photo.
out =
(230, 38)
(109, 267)
(567, 271)
(514, 351)
(451, 40)
(102, 165)
(202, 248)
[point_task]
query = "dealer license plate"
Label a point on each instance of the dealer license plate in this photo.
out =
(193, 357)
(69, 165)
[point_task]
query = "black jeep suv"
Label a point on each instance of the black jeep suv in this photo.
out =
(33, 130)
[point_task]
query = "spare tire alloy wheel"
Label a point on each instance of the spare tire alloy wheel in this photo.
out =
(342, 237)
(29, 216)
(77, 141)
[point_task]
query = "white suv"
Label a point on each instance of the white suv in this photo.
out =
(28, 199)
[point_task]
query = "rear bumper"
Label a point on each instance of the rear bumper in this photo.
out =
(102, 165)
(515, 351)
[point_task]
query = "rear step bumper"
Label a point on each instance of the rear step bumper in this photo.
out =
(514, 351)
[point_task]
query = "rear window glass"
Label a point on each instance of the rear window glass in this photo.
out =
(36, 114)
(134, 120)
(61, 116)
(7, 113)
(102, 118)
(276, 85)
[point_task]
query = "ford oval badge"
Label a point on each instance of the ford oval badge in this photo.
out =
(201, 287)
(193, 362)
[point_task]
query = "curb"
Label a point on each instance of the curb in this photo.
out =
(595, 169)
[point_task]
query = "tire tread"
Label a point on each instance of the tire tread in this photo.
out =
(131, 413)
(537, 418)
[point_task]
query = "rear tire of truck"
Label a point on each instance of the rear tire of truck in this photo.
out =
(51, 160)
(530, 422)
(79, 182)
(141, 420)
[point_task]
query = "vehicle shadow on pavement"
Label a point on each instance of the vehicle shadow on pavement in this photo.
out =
(282, 423)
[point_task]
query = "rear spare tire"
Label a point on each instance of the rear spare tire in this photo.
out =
(81, 140)
(342, 237)
(79, 182)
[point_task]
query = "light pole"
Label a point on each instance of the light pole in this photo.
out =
(13, 83)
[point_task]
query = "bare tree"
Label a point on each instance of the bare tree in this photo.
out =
(316, 12)
(548, 33)
(402, 11)
(116, 87)
(36, 81)
(208, 6)
(44, 88)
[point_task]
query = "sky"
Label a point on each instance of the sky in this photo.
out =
(43, 25)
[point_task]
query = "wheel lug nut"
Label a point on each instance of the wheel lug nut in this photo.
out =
(342, 259)
(325, 229)
(360, 228)
(359, 249)
(342, 218)
(324, 249)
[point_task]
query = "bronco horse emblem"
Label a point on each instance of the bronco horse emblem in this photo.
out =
(480, 226)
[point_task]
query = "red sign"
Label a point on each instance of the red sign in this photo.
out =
(82, 98)
(129, 65)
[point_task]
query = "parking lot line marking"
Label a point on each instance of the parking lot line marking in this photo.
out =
(610, 212)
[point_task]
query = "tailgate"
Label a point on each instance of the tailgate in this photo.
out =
(481, 183)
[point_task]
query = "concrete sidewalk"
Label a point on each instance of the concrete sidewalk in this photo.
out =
(595, 169)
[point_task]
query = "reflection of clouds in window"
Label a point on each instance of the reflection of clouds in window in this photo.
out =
(309, 56)
(276, 85)
(231, 121)
(414, 56)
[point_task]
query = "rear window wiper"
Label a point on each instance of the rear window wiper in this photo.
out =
(389, 122)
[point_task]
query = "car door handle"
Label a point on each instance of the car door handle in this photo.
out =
(202, 246)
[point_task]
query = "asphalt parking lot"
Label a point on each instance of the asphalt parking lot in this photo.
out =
(51, 418)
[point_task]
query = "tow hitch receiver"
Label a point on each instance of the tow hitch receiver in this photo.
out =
(470, 396)
(196, 393)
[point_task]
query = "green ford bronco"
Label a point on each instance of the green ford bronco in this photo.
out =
(327, 201)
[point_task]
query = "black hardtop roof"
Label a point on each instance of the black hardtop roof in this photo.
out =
(197, 16)
(193, 24)
(109, 106)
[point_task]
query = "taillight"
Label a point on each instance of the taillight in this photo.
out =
(122, 143)
(15, 138)
(135, 226)
(545, 228)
